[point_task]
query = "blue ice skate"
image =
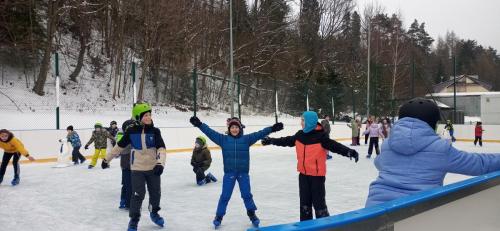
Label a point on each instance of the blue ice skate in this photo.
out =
(211, 177)
(155, 217)
(91, 166)
(15, 181)
(253, 218)
(201, 182)
(122, 204)
(217, 221)
(132, 225)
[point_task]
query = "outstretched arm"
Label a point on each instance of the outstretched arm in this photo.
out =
(254, 137)
(211, 134)
(339, 148)
(472, 163)
(287, 141)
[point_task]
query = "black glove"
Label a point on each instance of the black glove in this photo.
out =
(353, 154)
(86, 147)
(195, 121)
(277, 127)
(158, 169)
(266, 141)
(104, 164)
(60, 141)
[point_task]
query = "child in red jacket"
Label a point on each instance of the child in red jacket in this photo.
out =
(479, 134)
(311, 145)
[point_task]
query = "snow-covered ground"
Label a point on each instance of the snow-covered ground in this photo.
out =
(76, 198)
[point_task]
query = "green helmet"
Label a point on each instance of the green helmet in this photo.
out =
(139, 109)
(202, 139)
(98, 125)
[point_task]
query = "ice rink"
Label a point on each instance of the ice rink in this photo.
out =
(76, 198)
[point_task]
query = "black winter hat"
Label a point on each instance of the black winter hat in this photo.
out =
(113, 122)
(422, 109)
(70, 127)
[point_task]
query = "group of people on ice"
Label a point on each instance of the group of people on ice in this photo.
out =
(412, 159)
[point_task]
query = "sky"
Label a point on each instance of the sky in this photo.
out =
(477, 20)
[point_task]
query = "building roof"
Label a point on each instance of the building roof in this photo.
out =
(441, 86)
(450, 94)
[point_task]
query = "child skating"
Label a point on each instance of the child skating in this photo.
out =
(311, 145)
(236, 156)
(374, 132)
(478, 133)
(147, 160)
(99, 138)
(201, 160)
(73, 138)
(13, 148)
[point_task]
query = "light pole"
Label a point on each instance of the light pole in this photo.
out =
(231, 64)
(454, 70)
(368, 72)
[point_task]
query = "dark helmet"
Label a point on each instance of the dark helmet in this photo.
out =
(113, 122)
(422, 109)
(128, 124)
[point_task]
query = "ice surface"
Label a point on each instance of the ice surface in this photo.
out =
(76, 198)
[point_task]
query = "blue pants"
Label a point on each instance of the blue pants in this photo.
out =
(126, 192)
(227, 190)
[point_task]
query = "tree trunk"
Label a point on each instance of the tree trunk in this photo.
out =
(44, 67)
(81, 55)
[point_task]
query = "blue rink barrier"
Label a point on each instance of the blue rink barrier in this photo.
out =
(472, 204)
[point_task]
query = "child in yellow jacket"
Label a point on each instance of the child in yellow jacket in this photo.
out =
(12, 147)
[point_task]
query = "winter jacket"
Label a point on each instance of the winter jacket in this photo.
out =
(479, 130)
(386, 130)
(448, 126)
(74, 139)
(13, 145)
(235, 150)
(201, 158)
(415, 159)
(100, 138)
(326, 126)
(354, 128)
(125, 153)
(148, 148)
(375, 130)
(112, 131)
(311, 149)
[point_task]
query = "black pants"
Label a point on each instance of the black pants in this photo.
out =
(312, 193)
(480, 139)
(373, 143)
(76, 155)
(139, 181)
(366, 138)
(5, 162)
(200, 173)
(126, 192)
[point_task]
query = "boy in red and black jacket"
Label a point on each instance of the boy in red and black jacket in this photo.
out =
(311, 145)
(479, 134)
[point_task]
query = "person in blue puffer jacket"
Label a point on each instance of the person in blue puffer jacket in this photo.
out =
(414, 158)
(236, 157)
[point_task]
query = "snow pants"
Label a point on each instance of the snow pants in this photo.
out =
(126, 192)
(99, 153)
(312, 194)
(15, 162)
(228, 183)
(76, 155)
(139, 181)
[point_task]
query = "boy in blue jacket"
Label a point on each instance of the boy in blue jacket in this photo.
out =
(414, 158)
(236, 156)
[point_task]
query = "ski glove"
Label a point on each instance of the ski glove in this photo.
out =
(158, 170)
(277, 127)
(266, 141)
(104, 164)
(353, 154)
(86, 147)
(195, 121)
